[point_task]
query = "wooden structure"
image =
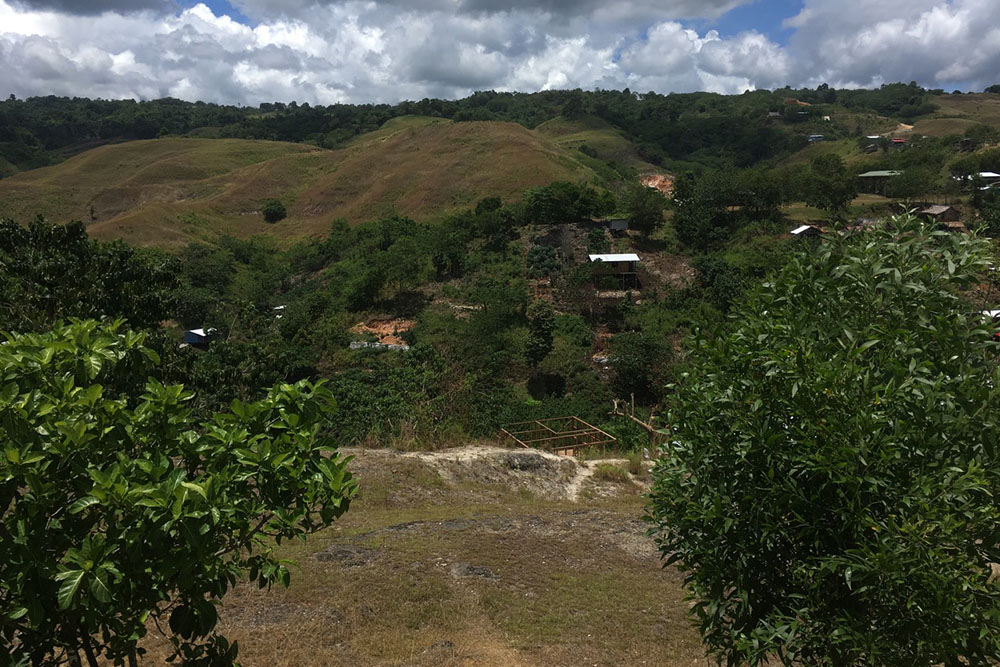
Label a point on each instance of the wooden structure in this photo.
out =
(560, 435)
(620, 267)
(622, 409)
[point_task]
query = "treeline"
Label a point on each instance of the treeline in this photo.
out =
(701, 128)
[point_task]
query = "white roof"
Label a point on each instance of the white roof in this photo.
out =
(799, 230)
(202, 332)
(989, 174)
(278, 308)
(627, 257)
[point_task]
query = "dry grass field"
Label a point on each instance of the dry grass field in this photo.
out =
(476, 556)
(168, 192)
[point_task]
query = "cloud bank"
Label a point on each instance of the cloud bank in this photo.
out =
(389, 50)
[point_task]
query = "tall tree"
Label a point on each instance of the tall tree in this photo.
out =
(829, 186)
(645, 208)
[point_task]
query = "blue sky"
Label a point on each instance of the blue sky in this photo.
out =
(765, 16)
(222, 7)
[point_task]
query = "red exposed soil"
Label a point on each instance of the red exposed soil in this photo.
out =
(387, 331)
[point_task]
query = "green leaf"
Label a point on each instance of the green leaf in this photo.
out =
(82, 504)
(71, 582)
(99, 588)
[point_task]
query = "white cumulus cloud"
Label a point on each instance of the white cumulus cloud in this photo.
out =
(325, 51)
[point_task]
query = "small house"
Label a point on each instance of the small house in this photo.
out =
(827, 119)
(199, 337)
(618, 226)
(940, 213)
(621, 267)
(806, 231)
(815, 138)
(990, 177)
(876, 182)
(774, 114)
(898, 142)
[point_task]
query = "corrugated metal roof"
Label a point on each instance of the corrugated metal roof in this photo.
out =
(803, 228)
(937, 209)
(879, 173)
(627, 257)
(201, 332)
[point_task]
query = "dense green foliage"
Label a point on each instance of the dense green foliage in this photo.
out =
(120, 508)
(830, 481)
(273, 210)
(711, 208)
(51, 272)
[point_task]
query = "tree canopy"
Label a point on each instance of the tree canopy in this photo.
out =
(829, 487)
(119, 511)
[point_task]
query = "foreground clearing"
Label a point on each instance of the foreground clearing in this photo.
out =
(472, 557)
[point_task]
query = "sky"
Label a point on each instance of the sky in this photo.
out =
(358, 51)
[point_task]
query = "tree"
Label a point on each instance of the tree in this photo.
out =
(645, 208)
(51, 272)
(638, 360)
(541, 323)
(273, 210)
(830, 486)
(995, 89)
(829, 186)
(118, 510)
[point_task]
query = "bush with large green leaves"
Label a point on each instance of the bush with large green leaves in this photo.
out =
(118, 512)
(830, 489)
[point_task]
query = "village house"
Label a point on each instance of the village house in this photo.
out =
(199, 338)
(621, 268)
(876, 182)
(941, 213)
(806, 232)
(618, 226)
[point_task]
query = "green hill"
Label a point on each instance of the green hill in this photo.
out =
(171, 191)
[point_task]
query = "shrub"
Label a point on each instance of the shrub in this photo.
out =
(830, 489)
(274, 211)
(608, 472)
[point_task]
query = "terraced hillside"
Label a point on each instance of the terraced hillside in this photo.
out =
(171, 191)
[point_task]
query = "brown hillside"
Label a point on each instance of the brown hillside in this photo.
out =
(171, 191)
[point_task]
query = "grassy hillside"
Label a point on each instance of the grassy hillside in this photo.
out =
(607, 142)
(171, 191)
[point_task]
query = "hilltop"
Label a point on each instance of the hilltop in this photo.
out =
(174, 190)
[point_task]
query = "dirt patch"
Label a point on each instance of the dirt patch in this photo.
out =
(662, 182)
(387, 331)
(674, 271)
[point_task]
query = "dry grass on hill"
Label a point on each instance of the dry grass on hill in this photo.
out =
(168, 192)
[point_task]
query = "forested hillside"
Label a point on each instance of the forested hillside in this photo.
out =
(695, 127)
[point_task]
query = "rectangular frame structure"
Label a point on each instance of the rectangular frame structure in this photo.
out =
(561, 435)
